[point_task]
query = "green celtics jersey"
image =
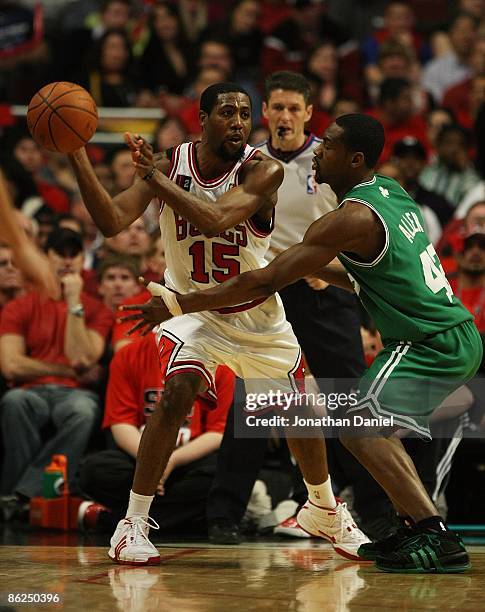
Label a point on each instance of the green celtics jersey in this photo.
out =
(404, 289)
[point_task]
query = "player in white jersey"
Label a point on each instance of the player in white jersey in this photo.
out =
(325, 319)
(197, 261)
(218, 199)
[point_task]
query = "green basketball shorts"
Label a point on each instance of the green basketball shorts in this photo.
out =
(409, 380)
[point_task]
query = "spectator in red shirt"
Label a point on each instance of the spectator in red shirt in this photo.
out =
(45, 347)
(469, 283)
(134, 388)
(451, 242)
(465, 100)
(397, 115)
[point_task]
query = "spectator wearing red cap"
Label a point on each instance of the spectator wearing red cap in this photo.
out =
(469, 283)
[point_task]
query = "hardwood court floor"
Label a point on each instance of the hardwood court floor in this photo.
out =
(300, 577)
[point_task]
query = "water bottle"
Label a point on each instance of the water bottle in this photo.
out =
(54, 480)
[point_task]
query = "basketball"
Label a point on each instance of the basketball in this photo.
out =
(62, 117)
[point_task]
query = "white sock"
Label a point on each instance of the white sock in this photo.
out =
(321, 494)
(139, 504)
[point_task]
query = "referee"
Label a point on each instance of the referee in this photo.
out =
(325, 319)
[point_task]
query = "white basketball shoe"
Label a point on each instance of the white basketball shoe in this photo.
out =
(130, 544)
(337, 526)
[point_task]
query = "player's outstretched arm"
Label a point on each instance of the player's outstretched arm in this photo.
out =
(257, 192)
(111, 215)
(289, 266)
(351, 228)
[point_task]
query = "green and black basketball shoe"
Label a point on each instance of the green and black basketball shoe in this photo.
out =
(426, 552)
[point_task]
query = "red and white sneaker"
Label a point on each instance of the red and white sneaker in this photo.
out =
(335, 525)
(130, 544)
(88, 515)
(290, 528)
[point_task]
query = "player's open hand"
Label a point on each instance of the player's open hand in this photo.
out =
(148, 315)
(141, 153)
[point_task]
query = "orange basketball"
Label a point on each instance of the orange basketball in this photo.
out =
(62, 117)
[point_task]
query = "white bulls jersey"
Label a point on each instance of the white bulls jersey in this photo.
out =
(195, 262)
(300, 200)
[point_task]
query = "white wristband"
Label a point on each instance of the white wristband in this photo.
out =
(169, 298)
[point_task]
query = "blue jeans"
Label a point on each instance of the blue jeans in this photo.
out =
(24, 412)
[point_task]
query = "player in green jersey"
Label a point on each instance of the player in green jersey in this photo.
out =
(430, 342)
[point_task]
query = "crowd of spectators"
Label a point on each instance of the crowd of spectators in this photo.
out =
(420, 72)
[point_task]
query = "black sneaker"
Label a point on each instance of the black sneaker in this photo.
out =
(224, 531)
(380, 526)
(427, 552)
(372, 550)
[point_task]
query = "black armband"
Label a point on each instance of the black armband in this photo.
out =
(149, 175)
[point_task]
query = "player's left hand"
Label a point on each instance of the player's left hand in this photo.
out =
(149, 315)
(141, 153)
